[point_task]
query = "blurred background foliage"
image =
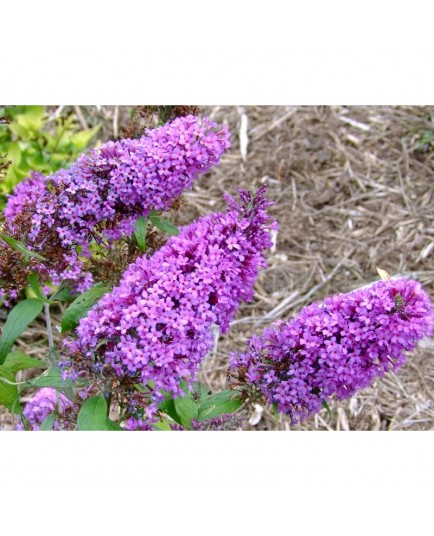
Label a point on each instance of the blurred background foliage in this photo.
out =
(32, 139)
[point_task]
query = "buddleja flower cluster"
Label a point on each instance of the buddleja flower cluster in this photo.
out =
(336, 347)
(45, 401)
(106, 190)
(155, 326)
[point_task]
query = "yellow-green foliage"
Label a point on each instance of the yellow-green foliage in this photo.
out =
(33, 142)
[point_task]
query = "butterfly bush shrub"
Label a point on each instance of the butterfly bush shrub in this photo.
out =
(132, 350)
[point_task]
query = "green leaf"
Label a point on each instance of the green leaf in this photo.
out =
(275, 412)
(58, 158)
(19, 246)
(163, 224)
(184, 386)
(53, 378)
(163, 425)
(326, 406)
(28, 124)
(82, 138)
(14, 153)
(214, 405)
(25, 422)
(8, 392)
(16, 361)
(18, 319)
(21, 132)
(33, 111)
(140, 233)
(93, 415)
(80, 306)
(47, 423)
(63, 294)
(22, 171)
(199, 390)
(50, 378)
(187, 409)
(168, 407)
(31, 120)
(114, 426)
(34, 284)
(35, 161)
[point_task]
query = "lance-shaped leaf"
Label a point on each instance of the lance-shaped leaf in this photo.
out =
(63, 294)
(163, 224)
(47, 423)
(80, 306)
(327, 407)
(187, 409)
(168, 407)
(34, 284)
(218, 404)
(18, 319)
(8, 391)
(19, 246)
(140, 233)
(53, 378)
(93, 416)
(163, 425)
(16, 361)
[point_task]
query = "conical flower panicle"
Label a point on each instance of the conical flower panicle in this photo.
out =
(155, 326)
(335, 347)
(102, 195)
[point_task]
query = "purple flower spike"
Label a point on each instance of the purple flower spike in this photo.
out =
(155, 326)
(107, 189)
(44, 402)
(336, 347)
(120, 181)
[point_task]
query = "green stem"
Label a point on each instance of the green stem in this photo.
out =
(52, 352)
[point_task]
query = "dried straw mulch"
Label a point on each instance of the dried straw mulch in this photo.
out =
(353, 190)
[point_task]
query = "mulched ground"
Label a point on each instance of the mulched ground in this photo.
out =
(353, 190)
